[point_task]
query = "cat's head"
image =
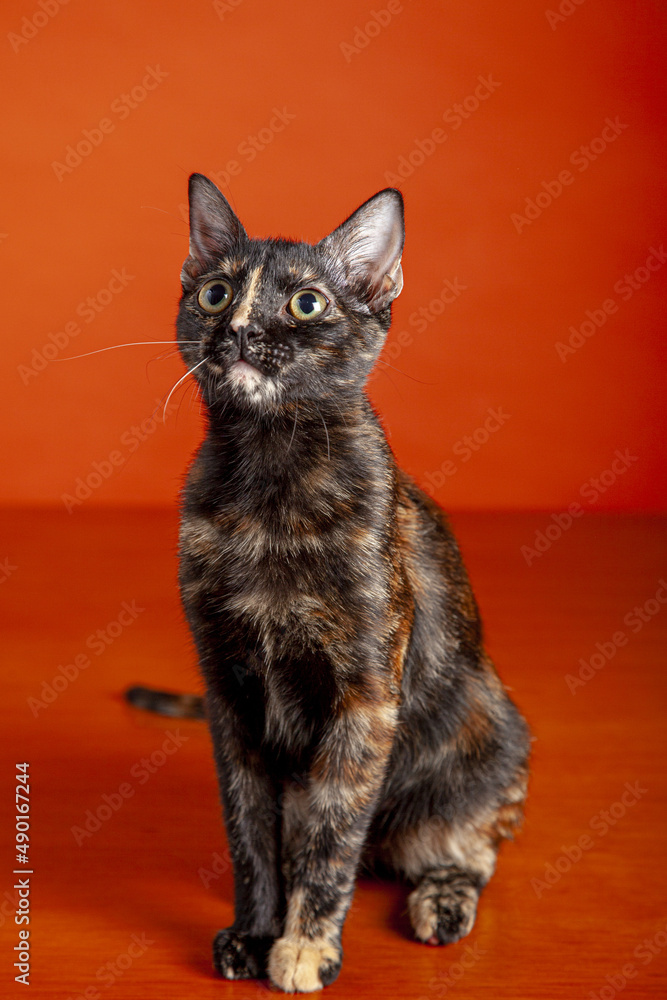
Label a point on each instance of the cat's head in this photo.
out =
(270, 321)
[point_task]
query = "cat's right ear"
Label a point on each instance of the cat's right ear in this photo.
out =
(368, 248)
(214, 228)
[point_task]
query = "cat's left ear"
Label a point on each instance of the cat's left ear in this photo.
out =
(369, 246)
(214, 227)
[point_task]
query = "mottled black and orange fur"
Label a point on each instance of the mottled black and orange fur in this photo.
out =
(355, 716)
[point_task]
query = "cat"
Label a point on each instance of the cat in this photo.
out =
(354, 714)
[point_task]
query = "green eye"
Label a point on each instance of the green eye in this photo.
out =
(307, 304)
(215, 296)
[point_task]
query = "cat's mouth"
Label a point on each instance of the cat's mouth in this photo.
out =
(244, 378)
(244, 374)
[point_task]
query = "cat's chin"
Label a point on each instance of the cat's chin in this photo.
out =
(241, 373)
(250, 382)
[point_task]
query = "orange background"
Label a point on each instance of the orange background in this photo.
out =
(355, 115)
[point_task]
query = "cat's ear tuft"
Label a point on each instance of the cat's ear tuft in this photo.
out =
(369, 246)
(214, 227)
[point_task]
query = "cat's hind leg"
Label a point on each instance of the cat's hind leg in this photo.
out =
(449, 865)
(443, 906)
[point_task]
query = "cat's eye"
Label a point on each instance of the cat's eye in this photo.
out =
(307, 304)
(215, 296)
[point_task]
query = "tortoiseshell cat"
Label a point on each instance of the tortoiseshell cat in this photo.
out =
(354, 713)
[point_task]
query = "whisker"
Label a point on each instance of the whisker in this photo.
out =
(296, 413)
(401, 372)
(393, 382)
(114, 347)
(154, 208)
(326, 431)
(182, 379)
(342, 415)
(164, 356)
(193, 394)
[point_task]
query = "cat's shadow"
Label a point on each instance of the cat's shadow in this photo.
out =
(376, 877)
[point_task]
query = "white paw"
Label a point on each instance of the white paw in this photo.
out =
(300, 966)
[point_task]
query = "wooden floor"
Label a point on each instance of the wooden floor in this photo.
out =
(577, 907)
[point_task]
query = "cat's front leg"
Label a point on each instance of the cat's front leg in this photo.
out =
(324, 828)
(250, 802)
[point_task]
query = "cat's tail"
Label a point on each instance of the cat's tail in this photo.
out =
(172, 703)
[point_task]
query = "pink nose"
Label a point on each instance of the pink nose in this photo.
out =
(238, 321)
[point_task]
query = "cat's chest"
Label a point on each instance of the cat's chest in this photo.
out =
(289, 554)
(294, 573)
(278, 598)
(234, 546)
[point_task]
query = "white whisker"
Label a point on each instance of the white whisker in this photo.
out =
(182, 379)
(114, 347)
(296, 413)
(193, 393)
(342, 415)
(326, 431)
(161, 357)
(154, 208)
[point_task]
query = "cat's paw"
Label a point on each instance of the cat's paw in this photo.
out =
(443, 906)
(298, 965)
(237, 955)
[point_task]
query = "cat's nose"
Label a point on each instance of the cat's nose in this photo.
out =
(246, 333)
(245, 336)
